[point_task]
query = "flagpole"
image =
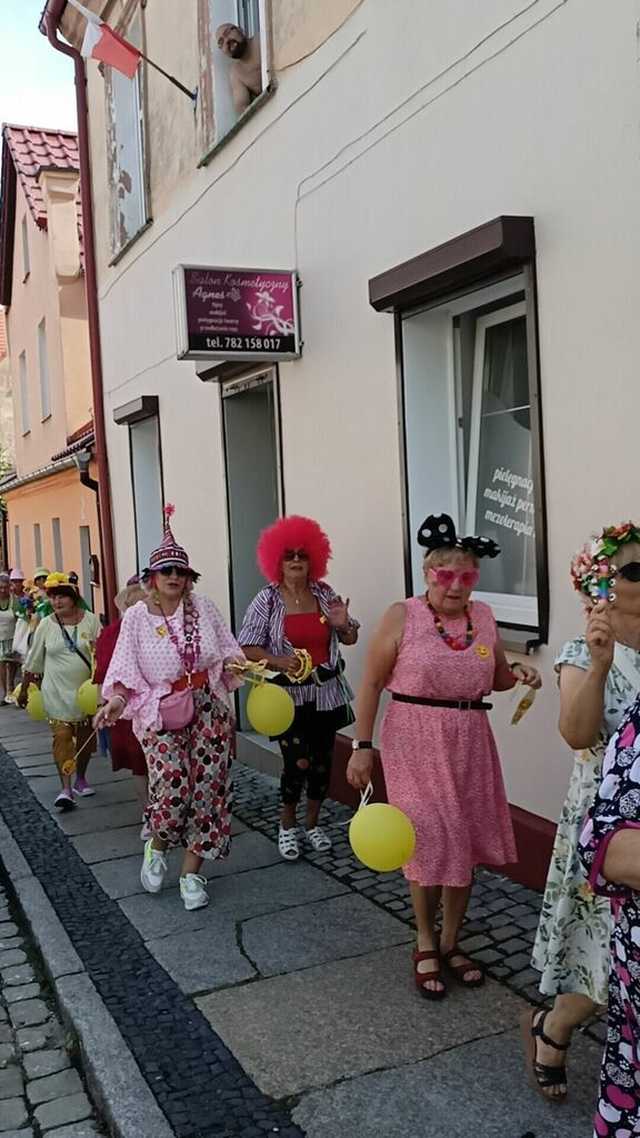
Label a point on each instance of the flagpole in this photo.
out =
(193, 95)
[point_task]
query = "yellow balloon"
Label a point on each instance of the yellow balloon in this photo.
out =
(16, 692)
(35, 705)
(87, 697)
(382, 837)
(270, 709)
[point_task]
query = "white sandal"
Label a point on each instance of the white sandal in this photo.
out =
(319, 839)
(288, 843)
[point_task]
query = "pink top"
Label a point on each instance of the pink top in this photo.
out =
(146, 662)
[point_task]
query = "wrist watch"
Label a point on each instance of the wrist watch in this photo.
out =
(361, 745)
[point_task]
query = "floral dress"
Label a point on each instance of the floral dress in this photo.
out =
(571, 950)
(617, 806)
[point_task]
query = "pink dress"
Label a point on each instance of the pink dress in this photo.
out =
(441, 765)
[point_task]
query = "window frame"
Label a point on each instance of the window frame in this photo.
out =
(23, 383)
(56, 538)
(399, 290)
(118, 249)
(37, 543)
(17, 546)
(26, 252)
(44, 375)
(130, 424)
(210, 141)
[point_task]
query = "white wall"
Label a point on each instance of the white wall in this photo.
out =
(540, 119)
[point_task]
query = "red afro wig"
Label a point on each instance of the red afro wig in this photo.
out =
(293, 532)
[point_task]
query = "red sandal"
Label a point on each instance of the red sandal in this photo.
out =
(459, 971)
(422, 978)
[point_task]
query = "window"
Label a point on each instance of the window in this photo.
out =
(236, 62)
(471, 431)
(24, 393)
(125, 148)
(469, 438)
(26, 263)
(146, 477)
(43, 360)
(57, 545)
(85, 560)
(37, 543)
(17, 551)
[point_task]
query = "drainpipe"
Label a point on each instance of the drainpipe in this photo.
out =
(50, 21)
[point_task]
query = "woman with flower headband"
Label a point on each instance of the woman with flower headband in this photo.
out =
(439, 655)
(168, 675)
(599, 676)
(299, 612)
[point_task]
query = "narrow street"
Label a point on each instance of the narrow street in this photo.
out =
(286, 1006)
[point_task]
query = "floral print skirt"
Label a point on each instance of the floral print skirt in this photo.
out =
(571, 950)
(189, 800)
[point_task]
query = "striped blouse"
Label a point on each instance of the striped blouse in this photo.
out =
(263, 627)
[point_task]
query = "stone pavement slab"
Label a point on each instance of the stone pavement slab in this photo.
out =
(239, 896)
(206, 960)
(477, 1090)
(109, 844)
(249, 850)
(72, 1108)
(33, 759)
(107, 793)
(311, 1028)
(315, 934)
(95, 818)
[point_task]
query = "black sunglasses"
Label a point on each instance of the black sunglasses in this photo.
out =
(167, 570)
(630, 572)
(292, 554)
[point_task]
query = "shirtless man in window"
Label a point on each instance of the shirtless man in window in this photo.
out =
(245, 70)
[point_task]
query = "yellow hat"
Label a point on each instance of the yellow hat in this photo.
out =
(58, 581)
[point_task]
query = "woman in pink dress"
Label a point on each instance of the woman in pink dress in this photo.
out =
(439, 655)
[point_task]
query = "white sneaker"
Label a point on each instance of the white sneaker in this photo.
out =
(289, 843)
(193, 891)
(319, 839)
(154, 867)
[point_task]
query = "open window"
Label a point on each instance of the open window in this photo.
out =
(236, 63)
(472, 444)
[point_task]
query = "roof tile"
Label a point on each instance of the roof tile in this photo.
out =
(34, 150)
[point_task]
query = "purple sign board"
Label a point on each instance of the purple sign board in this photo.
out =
(236, 314)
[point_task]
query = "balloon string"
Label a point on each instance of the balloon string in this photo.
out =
(366, 795)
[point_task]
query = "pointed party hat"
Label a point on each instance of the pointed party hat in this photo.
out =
(169, 553)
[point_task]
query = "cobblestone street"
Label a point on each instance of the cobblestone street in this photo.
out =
(285, 1007)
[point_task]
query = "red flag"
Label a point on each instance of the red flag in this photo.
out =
(101, 42)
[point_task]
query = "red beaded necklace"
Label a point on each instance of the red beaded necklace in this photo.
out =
(457, 643)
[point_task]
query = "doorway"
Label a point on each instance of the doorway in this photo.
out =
(251, 423)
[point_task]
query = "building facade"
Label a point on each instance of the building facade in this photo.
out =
(51, 514)
(455, 188)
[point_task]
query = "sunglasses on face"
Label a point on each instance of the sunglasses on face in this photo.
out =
(446, 577)
(169, 570)
(630, 572)
(295, 555)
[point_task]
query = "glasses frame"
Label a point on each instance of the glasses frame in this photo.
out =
(435, 573)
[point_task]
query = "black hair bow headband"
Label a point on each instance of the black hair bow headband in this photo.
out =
(440, 533)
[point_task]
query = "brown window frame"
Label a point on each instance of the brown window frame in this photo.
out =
(483, 256)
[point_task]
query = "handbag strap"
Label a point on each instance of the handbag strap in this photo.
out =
(72, 644)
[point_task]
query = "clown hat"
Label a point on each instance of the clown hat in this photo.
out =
(169, 554)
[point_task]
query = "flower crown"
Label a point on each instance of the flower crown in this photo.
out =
(591, 571)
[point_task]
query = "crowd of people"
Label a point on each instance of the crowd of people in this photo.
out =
(167, 668)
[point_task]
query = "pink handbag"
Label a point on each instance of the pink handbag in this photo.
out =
(177, 710)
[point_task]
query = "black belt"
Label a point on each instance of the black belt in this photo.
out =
(457, 704)
(320, 674)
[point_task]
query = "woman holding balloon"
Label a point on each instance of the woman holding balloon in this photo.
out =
(439, 655)
(60, 661)
(297, 624)
(169, 675)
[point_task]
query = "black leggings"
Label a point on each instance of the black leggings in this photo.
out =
(307, 752)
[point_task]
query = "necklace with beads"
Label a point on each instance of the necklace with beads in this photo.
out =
(457, 643)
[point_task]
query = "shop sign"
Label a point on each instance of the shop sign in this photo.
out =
(236, 314)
